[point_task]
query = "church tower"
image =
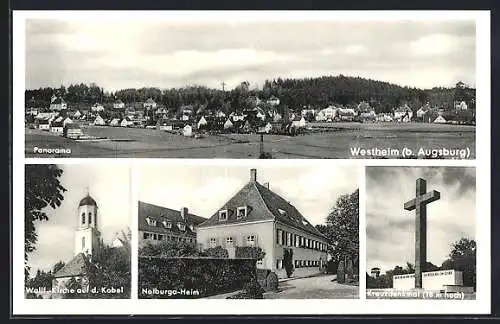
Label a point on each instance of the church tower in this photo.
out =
(87, 236)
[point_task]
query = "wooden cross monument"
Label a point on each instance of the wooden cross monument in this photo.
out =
(419, 203)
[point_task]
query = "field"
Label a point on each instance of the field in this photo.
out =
(336, 141)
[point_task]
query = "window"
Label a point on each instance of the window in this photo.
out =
(251, 240)
(223, 215)
(301, 241)
(145, 235)
(181, 226)
(229, 240)
(90, 218)
(241, 212)
(281, 211)
(83, 218)
(155, 236)
(288, 239)
(278, 237)
(213, 242)
(191, 227)
(260, 262)
(160, 237)
(296, 241)
(167, 224)
(150, 221)
(279, 264)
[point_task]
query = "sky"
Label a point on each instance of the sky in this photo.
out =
(109, 185)
(120, 53)
(313, 190)
(390, 230)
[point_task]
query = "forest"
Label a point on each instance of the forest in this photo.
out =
(293, 93)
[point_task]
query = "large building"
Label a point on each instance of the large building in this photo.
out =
(88, 246)
(256, 216)
(158, 224)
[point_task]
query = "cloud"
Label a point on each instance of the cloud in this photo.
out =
(312, 190)
(390, 228)
(120, 53)
(109, 185)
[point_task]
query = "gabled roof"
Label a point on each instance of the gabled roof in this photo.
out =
(160, 214)
(262, 204)
(58, 101)
(57, 124)
(78, 266)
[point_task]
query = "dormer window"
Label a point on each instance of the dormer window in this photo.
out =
(181, 226)
(191, 227)
(167, 224)
(241, 212)
(151, 222)
(281, 211)
(223, 215)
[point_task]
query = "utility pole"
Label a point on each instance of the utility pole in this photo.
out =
(223, 86)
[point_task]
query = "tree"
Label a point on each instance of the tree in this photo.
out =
(42, 189)
(463, 258)
(288, 262)
(342, 228)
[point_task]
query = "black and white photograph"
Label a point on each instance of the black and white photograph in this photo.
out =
(77, 231)
(421, 233)
(191, 86)
(238, 232)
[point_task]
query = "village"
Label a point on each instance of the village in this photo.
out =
(265, 117)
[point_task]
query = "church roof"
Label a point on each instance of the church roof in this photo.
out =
(262, 204)
(78, 266)
(87, 201)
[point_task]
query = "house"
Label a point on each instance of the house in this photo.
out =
(422, 111)
(77, 114)
(460, 105)
(118, 104)
(161, 112)
(67, 121)
(384, 118)
(277, 118)
(440, 120)
(58, 104)
(299, 122)
(43, 124)
(126, 122)
(260, 114)
(32, 111)
(220, 114)
(72, 130)
(187, 131)
(346, 114)
(364, 107)
(403, 114)
(327, 114)
(97, 107)
(114, 122)
(57, 127)
(202, 122)
(150, 104)
(99, 121)
(236, 116)
(158, 224)
(258, 217)
(228, 124)
(273, 101)
(265, 129)
(368, 115)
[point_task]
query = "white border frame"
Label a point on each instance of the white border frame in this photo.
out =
(361, 306)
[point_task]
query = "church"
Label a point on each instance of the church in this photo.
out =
(257, 216)
(88, 245)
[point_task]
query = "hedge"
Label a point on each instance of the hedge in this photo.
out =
(192, 277)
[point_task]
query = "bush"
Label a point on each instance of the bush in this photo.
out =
(216, 252)
(272, 282)
(205, 276)
(249, 252)
(288, 262)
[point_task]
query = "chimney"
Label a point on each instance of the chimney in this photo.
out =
(253, 175)
(184, 212)
(266, 184)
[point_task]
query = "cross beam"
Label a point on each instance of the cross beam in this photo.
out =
(419, 204)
